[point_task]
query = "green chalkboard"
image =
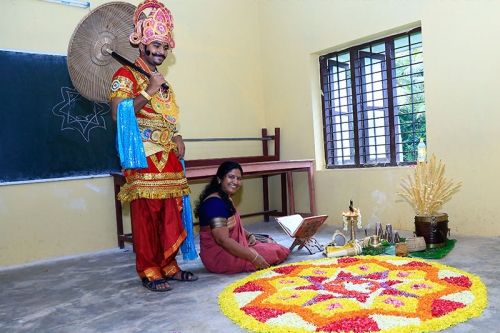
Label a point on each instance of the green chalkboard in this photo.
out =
(47, 129)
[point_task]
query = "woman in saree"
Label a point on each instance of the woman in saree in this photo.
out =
(225, 246)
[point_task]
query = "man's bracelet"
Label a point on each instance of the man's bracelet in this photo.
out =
(145, 95)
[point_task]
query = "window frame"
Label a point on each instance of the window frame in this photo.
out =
(359, 157)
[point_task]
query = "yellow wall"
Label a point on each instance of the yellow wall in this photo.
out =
(215, 70)
(461, 43)
(54, 219)
(242, 65)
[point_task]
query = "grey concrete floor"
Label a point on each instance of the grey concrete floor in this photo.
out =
(100, 292)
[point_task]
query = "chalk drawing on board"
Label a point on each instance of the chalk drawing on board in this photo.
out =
(77, 115)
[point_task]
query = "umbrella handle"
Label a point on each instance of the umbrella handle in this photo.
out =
(124, 61)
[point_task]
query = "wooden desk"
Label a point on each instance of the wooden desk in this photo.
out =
(250, 170)
(262, 166)
(265, 169)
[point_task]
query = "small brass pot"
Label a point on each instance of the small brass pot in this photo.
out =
(374, 241)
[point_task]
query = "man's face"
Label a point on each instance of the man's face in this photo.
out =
(155, 53)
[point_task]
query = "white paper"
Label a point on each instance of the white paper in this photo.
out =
(290, 223)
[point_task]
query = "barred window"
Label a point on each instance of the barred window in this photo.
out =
(373, 102)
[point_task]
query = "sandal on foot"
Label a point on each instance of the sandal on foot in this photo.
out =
(185, 277)
(156, 285)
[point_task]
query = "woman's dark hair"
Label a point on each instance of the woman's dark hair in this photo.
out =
(215, 187)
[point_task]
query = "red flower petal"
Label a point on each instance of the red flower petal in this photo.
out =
(391, 292)
(417, 264)
(462, 281)
(323, 297)
(347, 260)
(262, 314)
(355, 324)
(250, 286)
(344, 276)
(392, 282)
(317, 279)
(376, 276)
(284, 270)
(440, 307)
(308, 287)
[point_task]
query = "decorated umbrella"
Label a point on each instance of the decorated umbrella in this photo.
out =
(99, 46)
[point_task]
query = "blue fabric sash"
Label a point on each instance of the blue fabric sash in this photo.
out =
(188, 248)
(128, 137)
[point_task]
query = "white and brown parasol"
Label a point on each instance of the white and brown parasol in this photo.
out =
(99, 46)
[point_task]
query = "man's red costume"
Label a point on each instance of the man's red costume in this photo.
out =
(155, 193)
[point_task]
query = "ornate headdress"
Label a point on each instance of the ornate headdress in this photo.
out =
(157, 26)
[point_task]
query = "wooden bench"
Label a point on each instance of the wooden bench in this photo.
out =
(262, 166)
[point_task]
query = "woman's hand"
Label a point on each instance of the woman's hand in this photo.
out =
(251, 239)
(221, 237)
(259, 262)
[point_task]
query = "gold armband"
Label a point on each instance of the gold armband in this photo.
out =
(145, 95)
(218, 222)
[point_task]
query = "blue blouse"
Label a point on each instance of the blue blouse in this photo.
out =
(211, 208)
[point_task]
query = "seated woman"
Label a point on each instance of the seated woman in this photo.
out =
(225, 246)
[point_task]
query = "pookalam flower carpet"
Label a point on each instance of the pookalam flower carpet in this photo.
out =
(355, 294)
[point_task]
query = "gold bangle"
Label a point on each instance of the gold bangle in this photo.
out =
(176, 134)
(256, 255)
(218, 222)
(145, 95)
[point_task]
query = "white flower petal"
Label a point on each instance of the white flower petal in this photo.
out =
(465, 297)
(398, 262)
(268, 274)
(386, 322)
(444, 273)
(246, 297)
(291, 319)
(361, 287)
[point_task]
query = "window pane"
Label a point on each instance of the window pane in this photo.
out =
(340, 102)
(416, 38)
(378, 48)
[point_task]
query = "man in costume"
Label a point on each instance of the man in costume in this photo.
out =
(155, 191)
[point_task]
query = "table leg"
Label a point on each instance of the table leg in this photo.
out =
(291, 197)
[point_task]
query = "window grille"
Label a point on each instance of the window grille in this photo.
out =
(373, 102)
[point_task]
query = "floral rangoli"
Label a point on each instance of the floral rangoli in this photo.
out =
(354, 294)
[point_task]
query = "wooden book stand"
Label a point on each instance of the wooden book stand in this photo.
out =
(305, 232)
